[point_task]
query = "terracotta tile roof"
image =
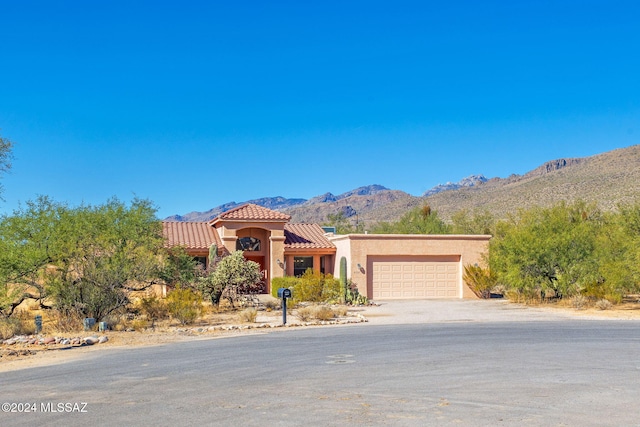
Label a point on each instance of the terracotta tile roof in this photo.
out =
(305, 236)
(251, 212)
(192, 235)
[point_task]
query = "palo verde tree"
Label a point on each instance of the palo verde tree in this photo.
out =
(104, 253)
(82, 260)
(472, 222)
(6, 154)
(618, 255)
(421, 220)
(29, 244)
(548, 249)
(180, 268)
(344, 224)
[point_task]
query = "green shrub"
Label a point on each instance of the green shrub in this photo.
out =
(332, 292)
(288, 282)
(480, 280)
(312, 286)
(154, 309)
(309, 287)
(184, 305)
(614, 298)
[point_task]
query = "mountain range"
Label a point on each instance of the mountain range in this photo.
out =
(607, 179)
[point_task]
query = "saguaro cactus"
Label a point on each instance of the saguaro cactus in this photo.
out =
(213, 254)
(343, 280)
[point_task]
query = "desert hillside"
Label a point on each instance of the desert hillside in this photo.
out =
(608, 179)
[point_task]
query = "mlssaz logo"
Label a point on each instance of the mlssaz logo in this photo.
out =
(63, 407)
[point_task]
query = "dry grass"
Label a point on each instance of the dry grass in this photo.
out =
(21, 323)
(272, 305)
(604, 304)
(319, 312)
(340, 310)
(54, 321)
(579, 302)
(305, 313)
(322, 312)
(248, 315)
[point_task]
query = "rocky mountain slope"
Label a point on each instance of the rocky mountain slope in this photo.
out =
(275, 203)
(466, 182)
(282, 204)
(608, 179)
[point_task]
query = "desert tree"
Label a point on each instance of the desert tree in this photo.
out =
(343, 223)
(472, 222)
(29, 247)
(105, 252)
(420, 220)
(548, 250)
(6, 156)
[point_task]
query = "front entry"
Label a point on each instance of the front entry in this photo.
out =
(261, 261)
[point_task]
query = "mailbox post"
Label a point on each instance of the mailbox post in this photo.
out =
(38, 322)
(285, 294)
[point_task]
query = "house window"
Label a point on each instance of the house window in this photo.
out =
(201, 261)
(248, 244)
(301, 264)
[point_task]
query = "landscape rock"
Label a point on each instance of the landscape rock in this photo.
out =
(91, 340)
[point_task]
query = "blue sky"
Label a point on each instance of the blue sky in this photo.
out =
(195, 104)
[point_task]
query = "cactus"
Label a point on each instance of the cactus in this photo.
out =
(213, 254)
(353, 296)
(343, 280)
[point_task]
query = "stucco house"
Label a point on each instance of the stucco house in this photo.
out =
(384, 266)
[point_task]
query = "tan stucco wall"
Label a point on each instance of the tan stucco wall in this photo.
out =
(357, 247)
(277, 254)
(343, 249)
(271, 235)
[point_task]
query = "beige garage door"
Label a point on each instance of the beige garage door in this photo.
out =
(415, 277)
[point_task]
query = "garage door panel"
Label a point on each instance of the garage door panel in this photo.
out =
(415, 277)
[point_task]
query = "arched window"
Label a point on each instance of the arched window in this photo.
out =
(248, 244)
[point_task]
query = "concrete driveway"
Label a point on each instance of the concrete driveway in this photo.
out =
(397, 312)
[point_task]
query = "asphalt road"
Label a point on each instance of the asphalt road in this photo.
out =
(466, 373)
